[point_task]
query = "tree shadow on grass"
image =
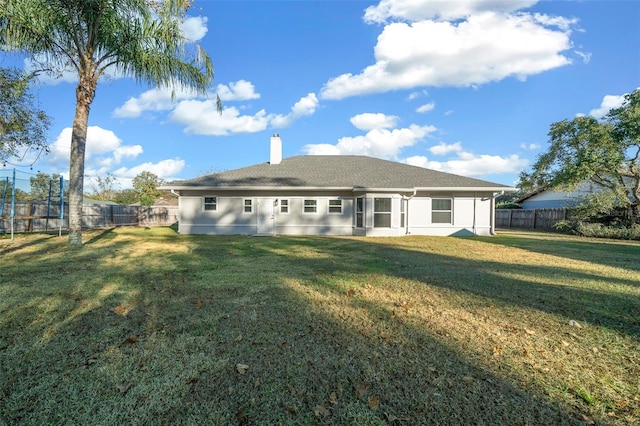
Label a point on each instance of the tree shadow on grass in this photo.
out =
(556, 290)
(605, 252)
(264, 304)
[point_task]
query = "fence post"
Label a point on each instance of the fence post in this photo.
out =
(13, 202)
(61, 206)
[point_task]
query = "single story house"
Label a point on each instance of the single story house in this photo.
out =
(335, 195)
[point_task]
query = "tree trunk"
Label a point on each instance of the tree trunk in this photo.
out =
(84, 96)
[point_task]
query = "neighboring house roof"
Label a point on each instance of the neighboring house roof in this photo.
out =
(166, 201)
(336, 172)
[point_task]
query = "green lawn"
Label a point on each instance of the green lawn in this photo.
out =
(145, 326)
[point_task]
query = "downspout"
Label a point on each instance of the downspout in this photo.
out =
(177, 194)
(406, 211)
(475, 197)
(492, 231)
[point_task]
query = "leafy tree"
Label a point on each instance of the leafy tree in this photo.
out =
(103, 187)
(146, 185)
(5, 191)
(22, 124)
(606, 153)
(40, 186)
(126, 197)
(137, 38)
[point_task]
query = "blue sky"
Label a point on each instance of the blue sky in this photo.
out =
(466, 87)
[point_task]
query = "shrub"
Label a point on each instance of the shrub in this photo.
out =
(619, 230)
(508, 205)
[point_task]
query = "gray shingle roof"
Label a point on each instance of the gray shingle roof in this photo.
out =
(334, 171)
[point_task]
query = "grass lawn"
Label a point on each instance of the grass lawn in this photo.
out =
(145, 326)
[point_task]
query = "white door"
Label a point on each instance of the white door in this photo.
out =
(266, 217)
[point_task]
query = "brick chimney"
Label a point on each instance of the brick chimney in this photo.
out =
(276, 149)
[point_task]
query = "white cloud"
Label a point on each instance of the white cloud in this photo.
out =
(417, 10)
(565, 24)
(426, 107)
(203, 118)
(305, 106)
(240, 90)
(609, 102)
(158, 99)
(530, 147)
(417, 94)
(104, 151)
(381, 143)
(201, 115)
(444, 149)
(370, 121)
(100, 142)
(486, 46)
(472, 165)
(165, 99)
(586, 56)
(163, 169)
(194, 28)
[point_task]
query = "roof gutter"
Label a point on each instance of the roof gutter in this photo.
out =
(337, 188)
(254, 188)
(439, 189)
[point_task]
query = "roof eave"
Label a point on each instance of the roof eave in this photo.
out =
(254, 188)
(439, 189)
(340, 188)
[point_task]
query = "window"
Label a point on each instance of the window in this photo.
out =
(382, 212)
(360, 212)
(248, 206)
(402, 207)
(335, 206)
(441, 210)
(284, 206)
(210, 203)
(310, 206)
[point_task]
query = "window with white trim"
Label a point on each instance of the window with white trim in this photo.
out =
(402, 207)
(441, 210)
(335, 206)
(284, 206)
(210, 204)
(360, 212)
(382, 212)
(310, 206)
(248, 205)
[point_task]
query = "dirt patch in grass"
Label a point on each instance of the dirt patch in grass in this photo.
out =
(147, 326)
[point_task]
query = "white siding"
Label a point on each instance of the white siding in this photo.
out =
(471, 214)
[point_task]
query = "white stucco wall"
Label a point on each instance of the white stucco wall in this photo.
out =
(471, 214)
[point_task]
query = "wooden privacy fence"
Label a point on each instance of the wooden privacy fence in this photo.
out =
(529, 218)
(32, 216)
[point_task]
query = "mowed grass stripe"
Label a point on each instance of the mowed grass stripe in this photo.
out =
(146, 326)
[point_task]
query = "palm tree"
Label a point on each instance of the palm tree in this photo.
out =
(137, 38)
